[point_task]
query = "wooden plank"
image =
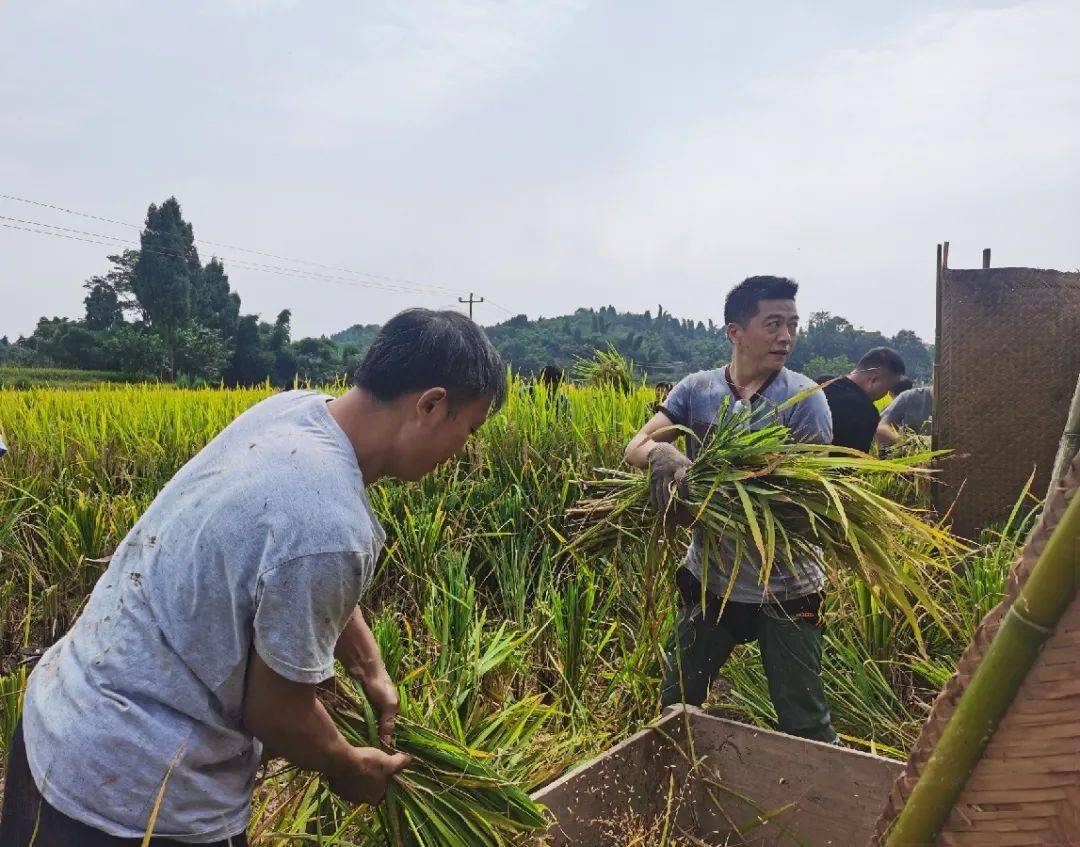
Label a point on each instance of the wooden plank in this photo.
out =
(990, 779)
(625, 780)
(1008, 795)
(979, 839)
(1034, 712)
(838, 793)
(999, 812)
(1051, 672)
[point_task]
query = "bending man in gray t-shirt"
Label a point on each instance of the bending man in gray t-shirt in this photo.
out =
(229, 600)
(912, 409)
(784, 615)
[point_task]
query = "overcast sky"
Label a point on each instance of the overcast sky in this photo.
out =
(547, 155)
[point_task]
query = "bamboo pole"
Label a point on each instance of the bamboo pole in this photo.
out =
(935, 375)
(1070, 442)
(1025, 628)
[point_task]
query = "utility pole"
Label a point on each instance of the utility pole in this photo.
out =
(470, 301)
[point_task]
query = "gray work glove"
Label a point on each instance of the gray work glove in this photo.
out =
(667, 468)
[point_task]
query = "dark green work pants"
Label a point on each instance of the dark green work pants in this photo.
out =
(789, 635)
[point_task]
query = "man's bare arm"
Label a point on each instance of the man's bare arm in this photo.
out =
(359, 654)
(659, 430)
(886, 436)
(289, 719)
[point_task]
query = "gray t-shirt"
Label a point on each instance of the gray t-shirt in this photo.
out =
(694, 403)
(911, 409)
(265, 539)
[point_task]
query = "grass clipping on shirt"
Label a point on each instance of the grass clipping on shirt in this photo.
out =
(448, 795)
(781, 503)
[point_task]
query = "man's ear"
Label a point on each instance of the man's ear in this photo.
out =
(431, 400)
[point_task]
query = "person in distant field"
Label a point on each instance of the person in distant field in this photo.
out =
(905, 383)
(784, 615)
(3, 447)
(851, 398)
(225, 606)
(911, 410)
(551, 376)
(660, 392)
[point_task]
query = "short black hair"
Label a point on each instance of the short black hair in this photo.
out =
(882, 359)
(742, 301)
(551, 375)
(905, 383)
(420, 349)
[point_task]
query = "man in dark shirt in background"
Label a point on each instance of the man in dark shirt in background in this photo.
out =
(852, 397)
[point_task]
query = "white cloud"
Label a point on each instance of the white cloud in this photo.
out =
(252, 8)
(405, 65)
(852, 164)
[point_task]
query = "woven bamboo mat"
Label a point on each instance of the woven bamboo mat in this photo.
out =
(1007, 367)
(1026, 788)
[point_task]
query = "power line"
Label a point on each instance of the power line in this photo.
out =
(497, 306)
(241, 262)
(277, 270)
(103, 219)
(359, 278)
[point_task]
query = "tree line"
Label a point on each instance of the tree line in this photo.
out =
(160, 313)
(667, 348)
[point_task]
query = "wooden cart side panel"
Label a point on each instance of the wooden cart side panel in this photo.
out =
(624, 780)
(823, 795)
(820, 793)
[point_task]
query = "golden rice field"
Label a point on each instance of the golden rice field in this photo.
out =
(498, 636)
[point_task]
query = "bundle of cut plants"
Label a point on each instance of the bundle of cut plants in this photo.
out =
(760, 498)
(448, 795)
(606, 368)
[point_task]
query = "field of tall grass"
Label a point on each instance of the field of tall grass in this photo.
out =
(497, 636)
(19, 376)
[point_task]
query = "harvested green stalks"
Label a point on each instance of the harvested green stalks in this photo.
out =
(448, 796)
(781, 503)
(606, 368)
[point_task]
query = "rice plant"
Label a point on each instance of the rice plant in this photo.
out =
(776, 502)
(607, 367)
(504, 642)
(448, 795)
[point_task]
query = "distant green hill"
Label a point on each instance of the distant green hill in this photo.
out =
(667, 347)
(664, 346)
(358, 335)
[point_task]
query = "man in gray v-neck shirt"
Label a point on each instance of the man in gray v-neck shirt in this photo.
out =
(783, 615)
(228, 603)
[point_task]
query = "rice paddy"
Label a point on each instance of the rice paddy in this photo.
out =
(505, 641)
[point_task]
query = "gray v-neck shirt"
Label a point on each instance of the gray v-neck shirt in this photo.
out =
(264, 540)
(694, 403)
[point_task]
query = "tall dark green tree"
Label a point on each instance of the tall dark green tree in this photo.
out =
(282, 334)
(917, 355)
(281, 348)
(119, 284)
(103, 310)
(213, 303)
(167, 267)
(252, 360)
